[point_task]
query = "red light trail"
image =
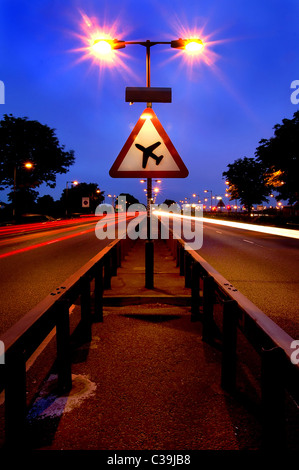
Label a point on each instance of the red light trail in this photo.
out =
(56, 240)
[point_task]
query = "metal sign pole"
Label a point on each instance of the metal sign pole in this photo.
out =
(149, 244)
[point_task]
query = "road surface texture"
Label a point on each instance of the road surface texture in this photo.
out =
(33, 264)
(263, 267)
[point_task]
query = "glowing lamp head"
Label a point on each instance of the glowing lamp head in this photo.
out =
(28, 165)
(101, 47)
(194, 46)
(104, 46)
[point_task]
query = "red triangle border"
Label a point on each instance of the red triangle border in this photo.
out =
(181, 173)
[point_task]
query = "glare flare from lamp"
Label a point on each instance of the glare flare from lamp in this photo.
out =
(194, 46)
(101, 47)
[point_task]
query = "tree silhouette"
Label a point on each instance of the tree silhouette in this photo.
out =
(72, 198)
(22, 140)
(246, 181)
(169, 202)
(280, 158)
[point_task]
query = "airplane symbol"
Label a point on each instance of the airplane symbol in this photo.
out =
(148, 152)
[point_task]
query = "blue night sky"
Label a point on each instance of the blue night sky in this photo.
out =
(222, 105)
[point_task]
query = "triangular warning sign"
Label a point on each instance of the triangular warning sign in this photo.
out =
(148, 152)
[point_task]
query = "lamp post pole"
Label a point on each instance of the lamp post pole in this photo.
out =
(149, 245)
(28, 166)
(209, 191)
(66, 198)
(14, 190)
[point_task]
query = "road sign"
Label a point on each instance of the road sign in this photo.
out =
(85, 201)
(148, 152)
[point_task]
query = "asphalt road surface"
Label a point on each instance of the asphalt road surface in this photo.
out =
(263, 267)
(34, 260)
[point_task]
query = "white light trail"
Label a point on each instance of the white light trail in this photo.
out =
(282, 232)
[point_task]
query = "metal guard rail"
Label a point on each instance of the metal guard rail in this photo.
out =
(23, 338)
(269, 340)
(272, 343)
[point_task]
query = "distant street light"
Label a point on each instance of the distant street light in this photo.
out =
(28, 166)
(280, 206)
(112, 196)
(198, 196)
(156, 189)
(209, 191)
(75, 183)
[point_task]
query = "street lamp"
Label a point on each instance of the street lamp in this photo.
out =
(279, 205)
(66, 194)
(112, 196)
(28, 166)
(189, 45)
(197, 195)
(209, 191)
(156, 189)
(102, 47)
(105, 46)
